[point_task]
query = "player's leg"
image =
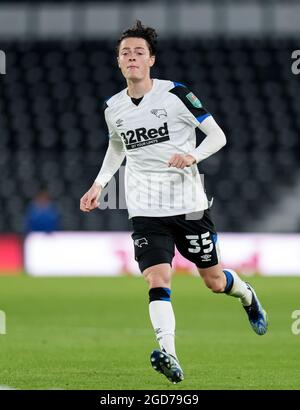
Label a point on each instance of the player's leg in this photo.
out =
(197, 241)
(162, 318)
(228, 281)
(161, 311)
(154, 251)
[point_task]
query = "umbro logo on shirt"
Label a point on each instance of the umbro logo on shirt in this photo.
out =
(160, 112)
(119, 122)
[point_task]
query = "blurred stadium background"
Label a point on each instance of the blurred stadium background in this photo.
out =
(236, 55)
(60, 68)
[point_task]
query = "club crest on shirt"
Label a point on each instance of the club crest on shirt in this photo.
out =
(141, 242)
(194, 100)
(159, 112)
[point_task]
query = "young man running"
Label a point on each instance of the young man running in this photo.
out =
(152, 122)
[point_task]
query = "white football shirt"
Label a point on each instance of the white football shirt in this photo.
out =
(161, 125)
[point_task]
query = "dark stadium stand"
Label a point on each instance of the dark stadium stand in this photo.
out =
(53, 133)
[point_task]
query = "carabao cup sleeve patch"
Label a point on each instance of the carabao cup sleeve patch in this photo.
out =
(194, 100)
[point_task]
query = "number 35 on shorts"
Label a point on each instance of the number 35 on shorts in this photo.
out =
(207, 245)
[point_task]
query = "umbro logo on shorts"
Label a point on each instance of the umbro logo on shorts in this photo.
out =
(141, 136)
(160, 112)
(141, 242)
(206, 257)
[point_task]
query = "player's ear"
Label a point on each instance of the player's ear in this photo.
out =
(118, 62)
(152, 61)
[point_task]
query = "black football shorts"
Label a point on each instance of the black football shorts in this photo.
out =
(155, 238)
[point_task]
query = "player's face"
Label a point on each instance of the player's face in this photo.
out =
(134, 58)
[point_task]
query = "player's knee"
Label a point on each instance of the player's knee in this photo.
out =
(157, 276)
(157, 281)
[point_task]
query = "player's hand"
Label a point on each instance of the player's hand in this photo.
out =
(90, 199)
(181, 160)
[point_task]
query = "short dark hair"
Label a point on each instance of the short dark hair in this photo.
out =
(138, 30)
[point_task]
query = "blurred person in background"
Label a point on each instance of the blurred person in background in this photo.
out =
(42, 214)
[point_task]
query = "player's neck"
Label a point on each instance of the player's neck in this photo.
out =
(137, 89)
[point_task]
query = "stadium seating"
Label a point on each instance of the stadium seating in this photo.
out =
(52, 131)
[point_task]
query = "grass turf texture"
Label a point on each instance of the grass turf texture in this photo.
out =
(95, 333)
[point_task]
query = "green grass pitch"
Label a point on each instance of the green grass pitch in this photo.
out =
(95, 333)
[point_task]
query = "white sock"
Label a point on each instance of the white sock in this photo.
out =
(163, 322)
(240, 289)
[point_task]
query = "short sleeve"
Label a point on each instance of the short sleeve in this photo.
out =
(190, 108)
